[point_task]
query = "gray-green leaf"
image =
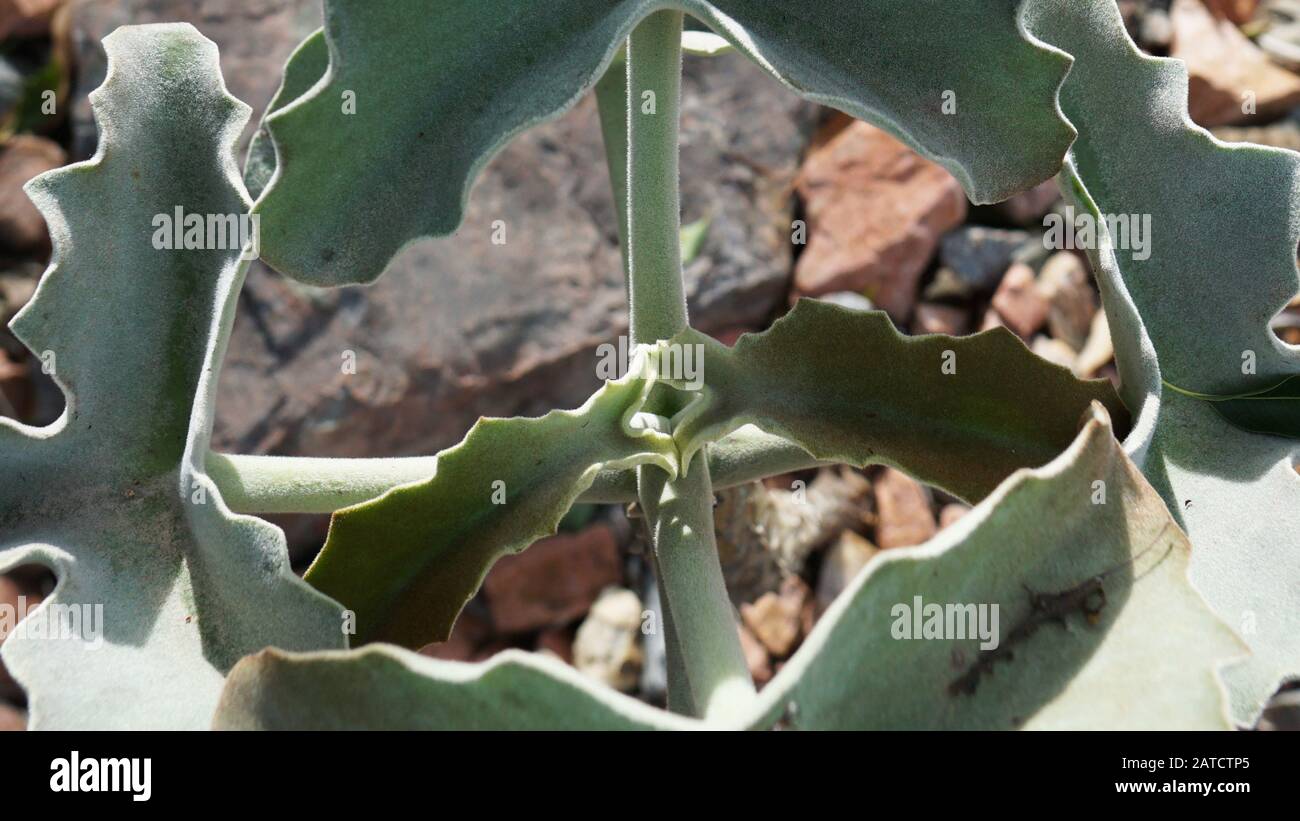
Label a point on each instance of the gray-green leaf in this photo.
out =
(419, 96)
(962, 413)
(1097, 624)
(1191, 309)
(171, 588)
(387, 688)
(407, 562)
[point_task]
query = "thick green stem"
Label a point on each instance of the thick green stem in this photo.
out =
(288, 484)
(678, 513)
(654, 75)
(680, 517)
(299, 484)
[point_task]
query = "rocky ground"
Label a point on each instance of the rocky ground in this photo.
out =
(793, 200)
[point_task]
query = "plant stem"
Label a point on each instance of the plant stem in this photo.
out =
(679, 513)
(654, 75)
(302, 484)
(288, 484)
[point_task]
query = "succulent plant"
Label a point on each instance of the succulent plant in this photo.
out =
(1149, 581)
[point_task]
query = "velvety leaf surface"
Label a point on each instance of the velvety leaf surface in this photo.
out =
(1238, 496)
(113, 496)
(306, 66)
(847, 386)
(387, 688)
(407, 562)
(439, 88)
(1097, 623)
(1222, 261)
(1098, 626)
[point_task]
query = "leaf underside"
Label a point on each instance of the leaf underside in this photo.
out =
(407, 562)
(387, 688)
(1188, 311)
(1098, 624)
(1146, 657)
(440, 88)
(961, 413)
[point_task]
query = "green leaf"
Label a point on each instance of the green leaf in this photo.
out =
(1037, 548)
(848, 387)
(1192, 314)
(306, 66)
(1238, 496)
(407, 562)
(1097, 623)
(693, 237)
(1273, 412)
(440, 88)
(386, 688)
(113, 496)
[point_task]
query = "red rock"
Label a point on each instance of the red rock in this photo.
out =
(1028, 207)
(1098, 350)
(991, 320)
(22, 227)
(553, 582)
(557, 641)
(15, 393)
(490, 649)
(1019, 302)
(1053, 350)
(26, 18)
(932, 318)
(13, 590)
(1238, 11)
(1065, 284)
(808, 615)
(776, 619)
(470, 631)
(728, 336)
(11, 718)
(1224, 65)
(876, 211)
(951, 513)
(903, 508)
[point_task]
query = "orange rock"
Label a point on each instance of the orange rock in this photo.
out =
(932, 318)
(11, 718)
(25, 156)
(26, 18)
(903, 508)
(553, 582)
(951, 514)
(1238, 11)
(875, 211)
(467, 634)
(1231, 79)
(776, 618)
(1019, 302)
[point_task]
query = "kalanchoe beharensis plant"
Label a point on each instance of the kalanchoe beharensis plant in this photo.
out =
(1148, 583)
